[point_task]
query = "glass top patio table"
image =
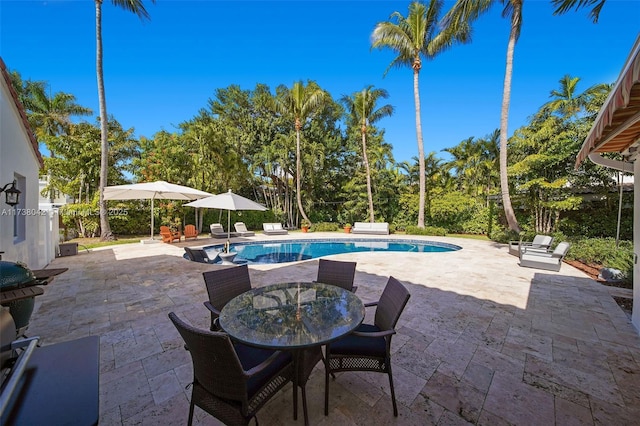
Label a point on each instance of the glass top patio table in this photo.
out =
(292, 315)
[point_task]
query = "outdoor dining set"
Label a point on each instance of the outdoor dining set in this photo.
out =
(260, 339)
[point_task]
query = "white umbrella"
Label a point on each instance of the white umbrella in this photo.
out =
(153, 190)
(227, 201)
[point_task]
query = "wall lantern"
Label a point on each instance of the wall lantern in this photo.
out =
(12, 194)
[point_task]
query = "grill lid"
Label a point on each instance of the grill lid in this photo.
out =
(14, 275)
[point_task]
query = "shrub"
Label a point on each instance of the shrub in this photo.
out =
(603, 251)
(427, 230)
(326, 227)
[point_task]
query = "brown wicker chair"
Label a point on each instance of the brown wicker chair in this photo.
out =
(231, 381)
(222, 286)
(369, 347)
(337, 273)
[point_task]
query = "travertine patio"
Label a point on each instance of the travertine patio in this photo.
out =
(482, 340)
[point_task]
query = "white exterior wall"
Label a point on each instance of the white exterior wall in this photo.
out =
(19, 161)
(635, 316)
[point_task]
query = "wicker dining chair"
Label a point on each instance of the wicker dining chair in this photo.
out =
(368, 348)
(231, 381)
(222, 286)
(337, 273)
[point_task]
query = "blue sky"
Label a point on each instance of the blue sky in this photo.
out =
(159, 73)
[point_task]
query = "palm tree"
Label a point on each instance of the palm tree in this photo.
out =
(362, 108)
(465, 11)
(563, 6)
(568, 102)
(412, 38)
(301, 102)
(137, 7)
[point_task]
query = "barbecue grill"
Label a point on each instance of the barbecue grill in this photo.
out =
(18, 288)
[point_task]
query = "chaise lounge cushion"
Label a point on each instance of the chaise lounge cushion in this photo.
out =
(274, 229)
(550, 260)
(378, 228)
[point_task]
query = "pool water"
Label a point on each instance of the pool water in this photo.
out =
(292, 251)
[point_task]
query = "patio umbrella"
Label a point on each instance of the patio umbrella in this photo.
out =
(153, 190)
(227, 201)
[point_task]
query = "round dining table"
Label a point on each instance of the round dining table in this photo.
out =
(292, 316)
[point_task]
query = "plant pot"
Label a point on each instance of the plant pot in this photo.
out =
(305, 229)
(347, 229)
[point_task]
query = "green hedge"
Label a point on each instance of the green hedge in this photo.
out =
(427, 230)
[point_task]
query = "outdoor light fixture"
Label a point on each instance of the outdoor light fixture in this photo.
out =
(12, 194)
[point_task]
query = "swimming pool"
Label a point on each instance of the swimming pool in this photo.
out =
(294, 250)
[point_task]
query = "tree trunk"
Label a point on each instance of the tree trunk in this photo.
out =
(365, 160)
(299, 175)
(416, 96)
(105, 229)
(504, 118)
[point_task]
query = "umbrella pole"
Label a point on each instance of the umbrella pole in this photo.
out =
(152, 218)
(229, 226)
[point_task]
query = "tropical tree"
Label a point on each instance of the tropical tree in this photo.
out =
(569, 103)
(301, 102)
(464, 12)
(563, 6)
(362, 109)
(137, 7)
(413, 37)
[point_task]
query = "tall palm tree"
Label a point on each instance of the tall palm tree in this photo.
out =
(361, 107)
(466, 11)
(302, 102)
(414, 37)
(563, 6)
(568, 102)
(137, 7)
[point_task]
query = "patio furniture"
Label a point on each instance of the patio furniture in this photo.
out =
(222, 286)
(231, 381)
(169, 236)
(56, 384)
(198, 255)
(217, 231)
(299, 317)
(337, 273)
(549, 260)
(539, 243)
(368, 348)
(378, 228)
(242, 231)
(190, 231)
(274, 229)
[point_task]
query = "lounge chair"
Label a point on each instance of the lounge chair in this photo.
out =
(190, 231)
(217, 231)
(274, 229)
(377, 228)
(549, 260)
(169, 236)
(198, 255)
(242, 231)
(540, 243)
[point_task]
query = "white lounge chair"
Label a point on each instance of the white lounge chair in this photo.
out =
(540, 243)
(274, 229)
(242, 231)
(378, 228)
(549, 260)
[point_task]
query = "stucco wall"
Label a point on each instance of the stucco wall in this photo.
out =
(19, 161)
(635, 316)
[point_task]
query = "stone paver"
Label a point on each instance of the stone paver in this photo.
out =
(482, 340)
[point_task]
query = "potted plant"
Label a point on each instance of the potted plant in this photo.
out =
(305, 226)
(347, 228)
